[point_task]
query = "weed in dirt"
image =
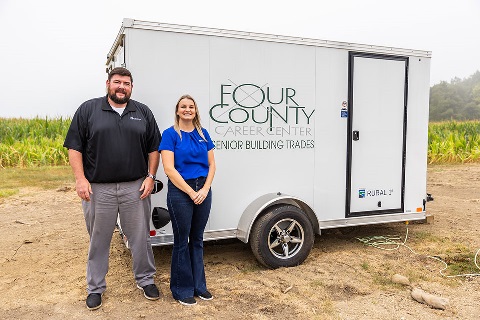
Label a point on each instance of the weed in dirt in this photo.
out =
(381, 280)
(328, 308)
(251, 268)
(415, 275)
(457, 248)
(7, 192)
(316, 283)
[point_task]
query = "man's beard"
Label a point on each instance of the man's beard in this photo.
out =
(112, 95)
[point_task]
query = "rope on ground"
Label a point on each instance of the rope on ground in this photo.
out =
(393, 242)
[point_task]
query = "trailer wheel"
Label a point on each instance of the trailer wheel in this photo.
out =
(283, 237)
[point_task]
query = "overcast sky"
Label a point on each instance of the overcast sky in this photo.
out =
(54, 51)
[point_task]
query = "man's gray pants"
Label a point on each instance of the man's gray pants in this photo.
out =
(108, 200)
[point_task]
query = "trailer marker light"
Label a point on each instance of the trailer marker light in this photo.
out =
(419, 209)
(153, 233)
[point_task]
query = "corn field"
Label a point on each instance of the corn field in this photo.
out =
(454, 142)
(39, 142)
(33, 142)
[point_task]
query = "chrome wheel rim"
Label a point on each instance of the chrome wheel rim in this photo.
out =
(286, 238)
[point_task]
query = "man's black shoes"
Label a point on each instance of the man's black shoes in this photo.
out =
(150, 291)
(94, 301)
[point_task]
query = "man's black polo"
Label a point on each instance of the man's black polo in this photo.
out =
(114, 148)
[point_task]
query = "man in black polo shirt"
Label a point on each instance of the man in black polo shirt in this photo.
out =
(112, 147)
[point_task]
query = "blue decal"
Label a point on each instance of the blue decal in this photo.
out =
(361, 193)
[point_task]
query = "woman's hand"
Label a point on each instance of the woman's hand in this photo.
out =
(199, 196)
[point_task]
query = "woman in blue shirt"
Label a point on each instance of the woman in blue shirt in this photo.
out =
(189, 163)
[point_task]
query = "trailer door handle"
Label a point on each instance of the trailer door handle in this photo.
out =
(356, 135)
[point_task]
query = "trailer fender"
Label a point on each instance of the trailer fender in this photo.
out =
(254, 209)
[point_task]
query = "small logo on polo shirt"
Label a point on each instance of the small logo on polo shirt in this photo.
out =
(138, 119)
(201, 140)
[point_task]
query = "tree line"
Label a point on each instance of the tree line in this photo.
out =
(458, 99)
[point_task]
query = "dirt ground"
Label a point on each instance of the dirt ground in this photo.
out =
(44, 248)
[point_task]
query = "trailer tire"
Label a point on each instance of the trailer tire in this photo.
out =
(282, 237)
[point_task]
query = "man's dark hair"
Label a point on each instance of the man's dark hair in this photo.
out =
(121, 72)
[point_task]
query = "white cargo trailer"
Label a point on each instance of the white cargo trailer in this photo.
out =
(309, 134)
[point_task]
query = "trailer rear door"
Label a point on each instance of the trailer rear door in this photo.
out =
(376, 134)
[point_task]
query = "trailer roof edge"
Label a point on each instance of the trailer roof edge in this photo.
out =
(127, 23)
(139, 24)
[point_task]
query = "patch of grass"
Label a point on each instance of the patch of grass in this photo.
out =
(316, 283)
(381, 280)
(254, 267)
(415, 275)
(460, 260)
(328, 308)
(7, 192)
(449, 247)
(43, 177)
(424, 236)
(457, 248)
(461, 264)
(422, 239)
(365, 266)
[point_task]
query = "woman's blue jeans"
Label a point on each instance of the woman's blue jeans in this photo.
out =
(187, 275)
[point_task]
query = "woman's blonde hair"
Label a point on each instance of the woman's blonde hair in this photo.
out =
(196, 120)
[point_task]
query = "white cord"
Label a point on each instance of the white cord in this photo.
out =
(380, 242)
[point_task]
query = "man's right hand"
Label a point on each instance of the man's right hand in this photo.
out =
(84, 189)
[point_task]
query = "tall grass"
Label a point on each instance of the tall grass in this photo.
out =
(33, 142)
(39, 142)
(454, 142)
